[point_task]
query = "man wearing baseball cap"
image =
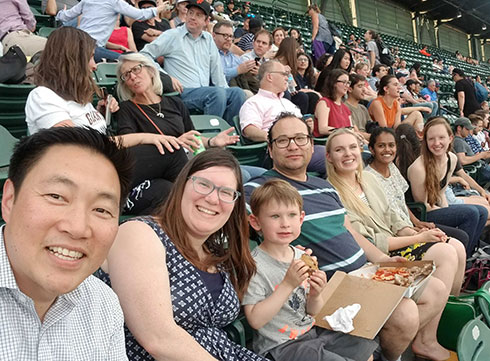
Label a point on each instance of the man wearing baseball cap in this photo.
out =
(193, 62)
(462, 128)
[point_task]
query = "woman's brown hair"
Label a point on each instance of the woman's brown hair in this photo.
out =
(64, 65)
(288, 52)
(228, 246)
(432, 183)
(330, 82)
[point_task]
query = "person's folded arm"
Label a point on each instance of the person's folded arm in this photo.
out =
(255, 134)
(140, 278)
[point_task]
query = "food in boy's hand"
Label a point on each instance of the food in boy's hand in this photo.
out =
(310, 262)
(401, 276)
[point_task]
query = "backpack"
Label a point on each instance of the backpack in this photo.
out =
(480, 92)
(385, 56)
(13, 66)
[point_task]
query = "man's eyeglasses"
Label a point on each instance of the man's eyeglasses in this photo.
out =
(135, 70)
(283, 73)
(226, 36)
(205, 186)
(345, 82)
(283, 142)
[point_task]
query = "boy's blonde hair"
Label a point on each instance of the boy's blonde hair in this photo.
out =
(274, 190)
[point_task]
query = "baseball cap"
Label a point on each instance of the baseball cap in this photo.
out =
(464, 122)
(400, 75)
(181, 1)
(201, 4)
(142, 2)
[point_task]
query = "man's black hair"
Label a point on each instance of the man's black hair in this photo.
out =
(282, 116)
(29, 150)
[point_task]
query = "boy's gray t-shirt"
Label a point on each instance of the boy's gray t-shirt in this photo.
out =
(292, 320)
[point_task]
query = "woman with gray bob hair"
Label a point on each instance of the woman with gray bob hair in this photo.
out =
(144, 109)
(123, 91)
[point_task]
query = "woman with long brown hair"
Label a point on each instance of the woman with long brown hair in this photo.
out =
(287, 55)
(179, 274)
(386, 109)
(429, 176)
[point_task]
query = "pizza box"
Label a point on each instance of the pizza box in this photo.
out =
(377, 300)
(414, 290)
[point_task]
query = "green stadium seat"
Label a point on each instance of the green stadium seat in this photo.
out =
(246, 154)
(13, 99)
(7, 142)
(474, 341)
(45, 31)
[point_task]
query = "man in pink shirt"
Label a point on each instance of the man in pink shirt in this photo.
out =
(259, 111)
(17, 24)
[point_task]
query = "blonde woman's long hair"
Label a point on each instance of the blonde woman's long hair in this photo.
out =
(347, 194)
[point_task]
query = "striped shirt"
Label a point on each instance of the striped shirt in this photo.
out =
(323, 228)
(84, 324)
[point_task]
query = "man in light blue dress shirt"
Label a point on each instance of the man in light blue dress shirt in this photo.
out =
(232, 64)
(193, 62)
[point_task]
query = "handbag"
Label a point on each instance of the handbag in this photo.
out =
(458, 312)
(13, 66)
(479, 272)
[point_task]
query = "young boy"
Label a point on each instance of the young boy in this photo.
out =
(285, 294)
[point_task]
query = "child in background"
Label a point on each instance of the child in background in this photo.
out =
(285, 294)
(482, 136)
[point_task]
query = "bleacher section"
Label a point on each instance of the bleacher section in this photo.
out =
(12, 97)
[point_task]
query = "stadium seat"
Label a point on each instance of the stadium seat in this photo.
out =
(247, 154)
(12, 107)
(45, 31)
(474, 341)
(7, 142)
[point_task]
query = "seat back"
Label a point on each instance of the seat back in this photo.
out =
(474, 341)
(209, 125)
(13, 98)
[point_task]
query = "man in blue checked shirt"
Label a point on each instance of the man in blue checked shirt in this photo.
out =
(61, 206)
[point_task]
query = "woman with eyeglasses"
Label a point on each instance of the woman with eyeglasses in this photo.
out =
(180, 274)
(64, 98)
(330, 112)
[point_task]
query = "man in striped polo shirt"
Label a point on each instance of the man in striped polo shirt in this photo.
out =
(327, 230)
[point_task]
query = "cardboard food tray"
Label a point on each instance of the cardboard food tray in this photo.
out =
(414, 290)
(377, 299)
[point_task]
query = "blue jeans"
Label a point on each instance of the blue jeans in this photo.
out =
(106, 54)
(213, 100)
(432, 105)
(467, 217)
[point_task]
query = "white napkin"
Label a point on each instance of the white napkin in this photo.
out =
(342, 319)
